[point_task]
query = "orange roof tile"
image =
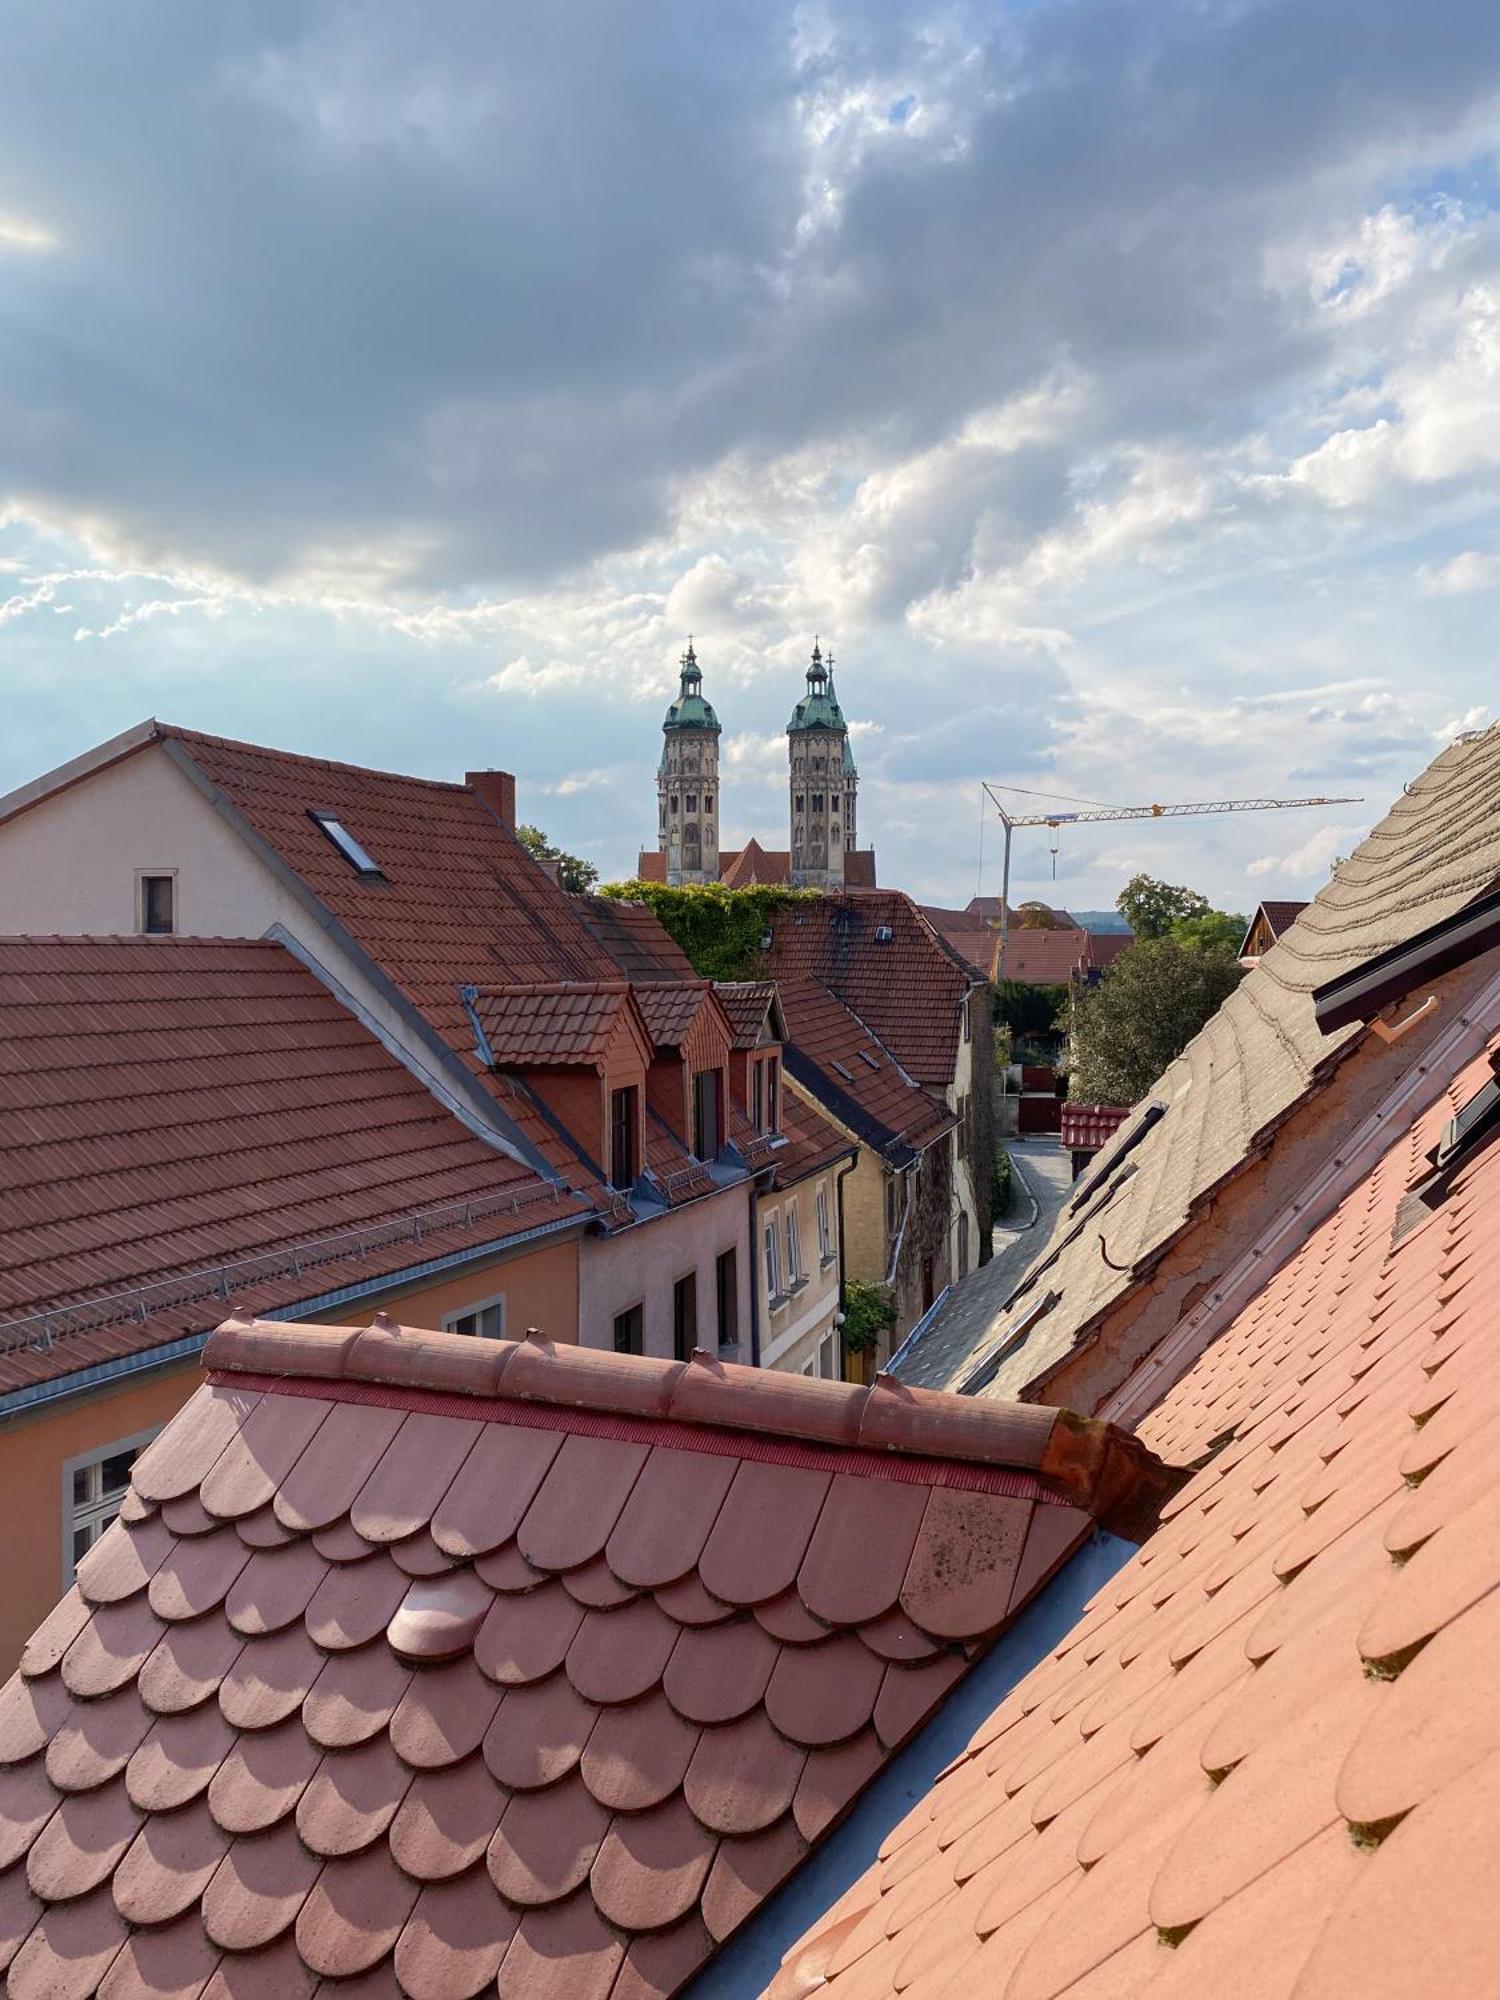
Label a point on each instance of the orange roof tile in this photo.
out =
(531, 1026)
(1265, 1759)
(437, 1663)
(882, 960)
(853, 1075)
(173, 1105)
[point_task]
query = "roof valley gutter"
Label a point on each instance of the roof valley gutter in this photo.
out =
(1464, 1039)
(749, 1961)
(21, 1402)
(509, 1141)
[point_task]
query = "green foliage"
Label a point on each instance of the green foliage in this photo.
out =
(1030, 1010)
(1039, 917)
(1212, 930)
(1151, 907)
(1144, 1012)
(1000, 1185)
(574, 875)
(1002, 1049)
(869, 1311)
(721, 930)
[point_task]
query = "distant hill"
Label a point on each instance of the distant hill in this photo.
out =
(1099, 920)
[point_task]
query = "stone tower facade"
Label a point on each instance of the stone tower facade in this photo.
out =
(687, 782)
(823, 782)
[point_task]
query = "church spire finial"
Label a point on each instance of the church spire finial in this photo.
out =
(689, 662)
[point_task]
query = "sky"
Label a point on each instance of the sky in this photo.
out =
(1113, 384)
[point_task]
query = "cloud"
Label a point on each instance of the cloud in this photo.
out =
(1115, 385)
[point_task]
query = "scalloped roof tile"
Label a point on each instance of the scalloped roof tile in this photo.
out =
(1267, 1757)
(571, 1764)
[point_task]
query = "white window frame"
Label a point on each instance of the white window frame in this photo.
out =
(825, 1229)
(828, 1355)
(473, 1311)
(771, 1245)
(793, 1246)
(90, 1513)
(142, 877)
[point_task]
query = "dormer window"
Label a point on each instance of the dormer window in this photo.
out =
(765, 1094)
(707, 1123)
(624, 1136)
(358, 857)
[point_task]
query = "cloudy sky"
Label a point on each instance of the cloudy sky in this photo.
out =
(1114, 383)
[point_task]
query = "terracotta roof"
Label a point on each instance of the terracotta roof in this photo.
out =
(172, 1105)
(635, 938)
(748, 1003)
(458, 902)
(1045, 958)
(670, 1007)
(1265, 1759)
(540, 1026)
(975, 943)
(880, 957)
(651, 866)
(743, 867)
(854, 1076)
(812, 1143)
(1261, 1055)
(440, 1665)
(1092, 1124)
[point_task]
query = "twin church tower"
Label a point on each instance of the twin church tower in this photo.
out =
(821, 795)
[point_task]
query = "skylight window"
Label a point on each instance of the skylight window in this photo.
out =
(869, 1060)
(847, 1075)
(359, 858)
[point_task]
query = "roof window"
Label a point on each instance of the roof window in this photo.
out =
(847, 1075)
(1473, 1128)
(869, 1060)
(883, 934)
(359, 858)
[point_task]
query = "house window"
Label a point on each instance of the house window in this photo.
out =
(828, 1356)
(484, 1321)
(157, 914)
(359, 858)
(825, 1230)
(793, 1249)
(622, 1137)
(727, 1297)
(772, 1243)
(766, 1095)
(685, 1316)
(706, 1129)
(630, 1331)
(93, 1487)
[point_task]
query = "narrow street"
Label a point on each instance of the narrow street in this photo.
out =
(1042, 1167)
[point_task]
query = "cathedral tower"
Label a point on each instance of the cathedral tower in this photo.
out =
(823, 782)
(687, 782)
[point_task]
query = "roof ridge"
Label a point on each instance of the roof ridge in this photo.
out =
(1092, 1463)
(190, 736)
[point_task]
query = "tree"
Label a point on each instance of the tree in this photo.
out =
(574, 875)
(723, 931)
(1030, 1010)
(1142, 1015)
(1039, 917)
(1212, 930)
(1151, 907)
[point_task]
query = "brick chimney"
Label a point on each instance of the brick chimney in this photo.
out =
(498, 791)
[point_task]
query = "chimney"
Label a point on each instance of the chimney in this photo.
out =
(497, 789)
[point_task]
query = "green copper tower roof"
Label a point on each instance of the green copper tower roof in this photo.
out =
(819, 707)
(690, 710)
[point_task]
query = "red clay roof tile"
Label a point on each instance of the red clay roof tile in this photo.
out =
(1190, 1762)
(627, 1758)
(180, 1104)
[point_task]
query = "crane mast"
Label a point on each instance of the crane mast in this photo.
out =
(1186, 809)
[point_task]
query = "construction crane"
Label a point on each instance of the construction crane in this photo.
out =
(1095, 813)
